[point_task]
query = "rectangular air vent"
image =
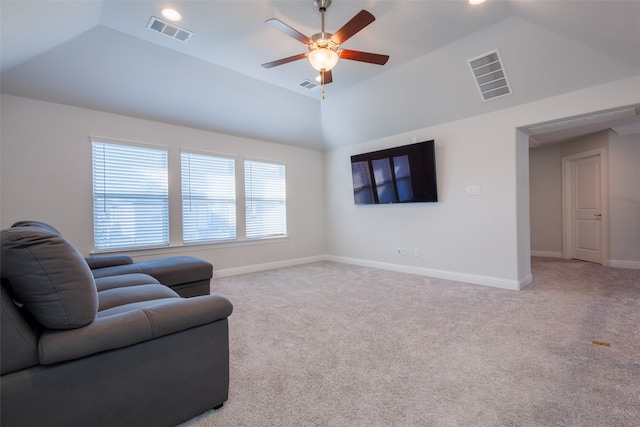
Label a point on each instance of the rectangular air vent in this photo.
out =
(169, 30)
(490, 75)
(308, 84)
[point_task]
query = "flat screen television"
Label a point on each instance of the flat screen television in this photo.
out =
(405, 174)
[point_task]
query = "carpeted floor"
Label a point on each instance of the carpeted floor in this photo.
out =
(329, 344)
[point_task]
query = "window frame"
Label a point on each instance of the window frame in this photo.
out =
(283, 233)
(234, 192)
(100, 192)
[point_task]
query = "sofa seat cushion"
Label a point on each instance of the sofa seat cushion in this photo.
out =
(131, 324)
(108, 261)
(124, 280)
(49, 277)
(116, 270)
(177, 270)
(120, 296)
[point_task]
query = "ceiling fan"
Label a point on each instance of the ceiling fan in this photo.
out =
(324, 48)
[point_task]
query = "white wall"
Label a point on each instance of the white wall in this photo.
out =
(469, 238)
(479, 239)
(624, 200)
(545, 179)
(46, 175)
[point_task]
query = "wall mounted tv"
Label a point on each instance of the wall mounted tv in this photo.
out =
(405, 174)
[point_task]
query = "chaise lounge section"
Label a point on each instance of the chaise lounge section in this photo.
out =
(187, 275)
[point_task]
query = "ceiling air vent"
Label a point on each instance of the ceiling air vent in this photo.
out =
(169, 30)
(308, 84)
(490, 76)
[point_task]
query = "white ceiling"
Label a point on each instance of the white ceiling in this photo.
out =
(100, 55)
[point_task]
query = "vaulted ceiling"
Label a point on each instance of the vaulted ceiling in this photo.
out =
(101, 55)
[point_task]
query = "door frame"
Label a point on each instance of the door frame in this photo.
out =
(567, 201)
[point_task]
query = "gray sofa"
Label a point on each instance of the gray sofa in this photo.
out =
(121, 349)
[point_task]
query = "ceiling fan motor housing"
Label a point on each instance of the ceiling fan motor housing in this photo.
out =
(322, 4)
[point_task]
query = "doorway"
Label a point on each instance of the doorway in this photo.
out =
(584, 200)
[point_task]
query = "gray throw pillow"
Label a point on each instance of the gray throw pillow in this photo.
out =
(49, 277)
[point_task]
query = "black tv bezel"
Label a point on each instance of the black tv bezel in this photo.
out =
(422, 158)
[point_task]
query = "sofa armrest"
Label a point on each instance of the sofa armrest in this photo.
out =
(108, 261)
(145, 321)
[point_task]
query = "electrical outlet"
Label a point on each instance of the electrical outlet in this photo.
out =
(473, 190)
(404, 251)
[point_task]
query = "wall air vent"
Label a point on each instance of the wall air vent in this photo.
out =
(490, 75)
(308, 84)
(169, 30)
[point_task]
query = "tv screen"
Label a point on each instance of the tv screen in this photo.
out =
(405, 174)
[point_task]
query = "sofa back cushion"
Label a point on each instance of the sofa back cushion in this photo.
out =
(49, 277)
(27, 223)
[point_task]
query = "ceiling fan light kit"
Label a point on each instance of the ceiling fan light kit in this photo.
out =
(324, 48)
(323, 59)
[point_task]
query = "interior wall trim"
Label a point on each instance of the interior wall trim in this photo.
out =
(619, 263)
(226, 272)
(475, 279)
(547, 254)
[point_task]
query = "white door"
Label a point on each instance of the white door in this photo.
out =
(587, 209)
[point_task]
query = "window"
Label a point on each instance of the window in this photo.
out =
(208, 198)
(130, 196)
(265, 199)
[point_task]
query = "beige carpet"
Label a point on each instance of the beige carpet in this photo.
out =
(329, 344)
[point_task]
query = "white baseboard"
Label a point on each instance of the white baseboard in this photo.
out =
(495, 282)
(624, 264)
(547, 254)
(266, 266)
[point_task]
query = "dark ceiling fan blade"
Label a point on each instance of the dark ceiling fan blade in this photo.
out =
(284, 60)
(357, 23)
(281, 26)
(371, 58)
(326, 77)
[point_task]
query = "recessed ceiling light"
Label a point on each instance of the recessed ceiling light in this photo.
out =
(475, 2)
(171, 14)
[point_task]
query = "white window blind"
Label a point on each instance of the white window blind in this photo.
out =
(265, 199)
(208, 198)
(130, 196)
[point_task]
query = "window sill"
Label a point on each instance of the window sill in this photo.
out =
(190, 247)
